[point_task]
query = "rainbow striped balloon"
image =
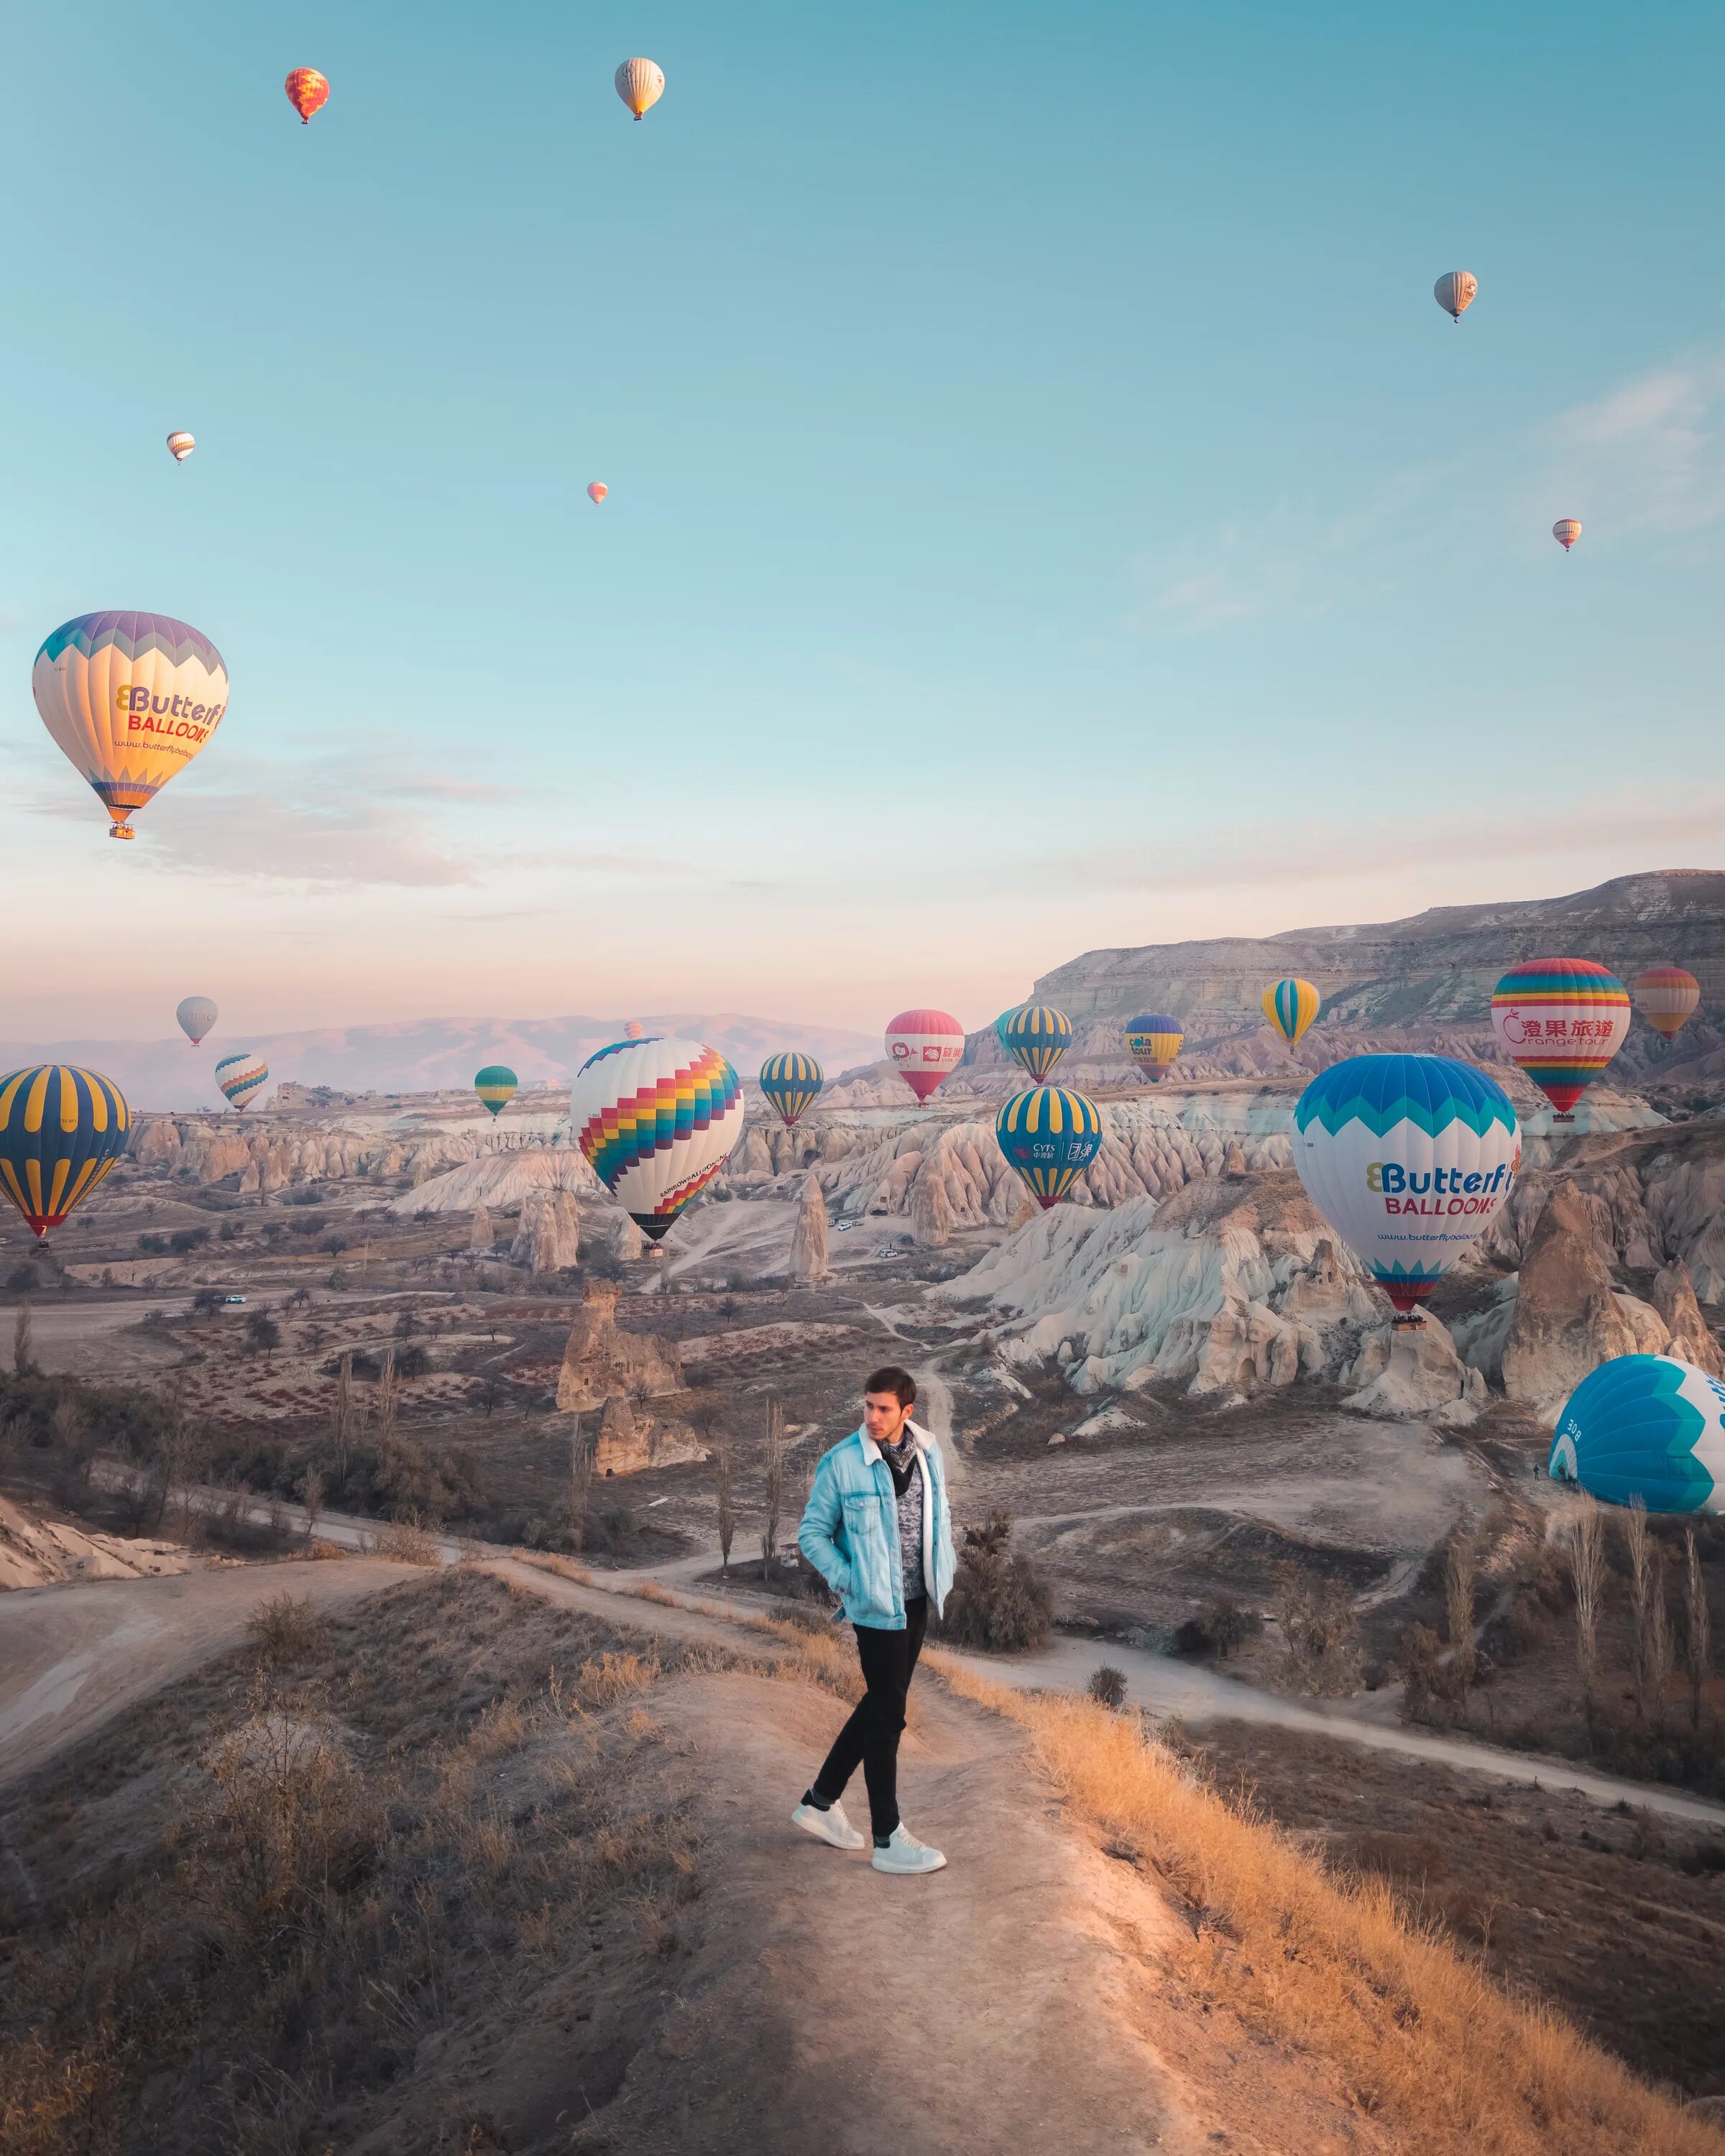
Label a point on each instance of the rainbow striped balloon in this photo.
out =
(657, 1120)
(1153, 1040)
(242, 1078)
(1562, 1020)
(61, 1130)
(793, 1083)
(1291, 1006)
(1036, 1034)
(496, 1085)
(1050, 1136)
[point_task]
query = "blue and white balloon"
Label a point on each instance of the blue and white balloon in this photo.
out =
(1409, 1158)
(1645, 1426)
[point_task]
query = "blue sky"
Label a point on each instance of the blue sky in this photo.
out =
(1048, 508)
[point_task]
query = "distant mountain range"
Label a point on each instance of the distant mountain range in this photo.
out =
(422, 1055)
(1435, 968)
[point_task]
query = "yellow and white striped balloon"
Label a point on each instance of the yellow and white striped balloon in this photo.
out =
(181, 444)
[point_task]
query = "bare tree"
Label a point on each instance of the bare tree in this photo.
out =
(72, 1445)
(24, 1343)
(342, 1417)
(1698, 1629)
(388, 1398)
(580, 1479)
(311, 1497)
(1653, 1644)
(1586, 1577)
(724, 1481)
(775, 1483)
(1461, 1581)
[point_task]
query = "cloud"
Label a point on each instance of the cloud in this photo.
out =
(1649, 457)
(304, 836)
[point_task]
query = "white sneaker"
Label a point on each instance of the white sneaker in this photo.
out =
(904, 1853)
(830, 1826)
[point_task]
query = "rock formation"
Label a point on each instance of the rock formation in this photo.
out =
(483, 1236)
(548, 1238)
(808, 1240)
(1413, 1370)
(1567, 1318)
(931, 1214)
(1689, 1336)
(601, 1359)
(630, 1440)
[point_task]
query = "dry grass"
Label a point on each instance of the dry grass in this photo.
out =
(284, 1628)
(1428, 2047)
(405, 1541)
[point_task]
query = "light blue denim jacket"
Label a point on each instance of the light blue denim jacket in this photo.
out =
(850, 1531)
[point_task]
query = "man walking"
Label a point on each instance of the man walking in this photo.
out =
(878, 1532)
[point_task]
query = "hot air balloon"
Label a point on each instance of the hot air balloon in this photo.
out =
(1050, 1136)
(196, 1015)
(1408, 1158)
(639, 84)
(657, 1120)
(1668, 997)
(793, 1083)
(1035, 1035)
(61, 1130)
(1646, 1426)
(1291, 1006)
(496, 1086)
(1566, 531)
(1562, 1020)
(129, 699)
(598, 490)
(181, 445)
(1152, 1040)
(634, 1030)
(924, 1046)
(242, 1078)
(1454, 292)
(307, 91)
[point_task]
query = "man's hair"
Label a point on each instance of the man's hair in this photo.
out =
(894, 1380)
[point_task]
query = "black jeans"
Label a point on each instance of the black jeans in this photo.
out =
(871, 1734)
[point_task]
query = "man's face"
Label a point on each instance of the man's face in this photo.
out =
(883, 1418)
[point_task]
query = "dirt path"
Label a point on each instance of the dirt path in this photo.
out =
(72, 1657)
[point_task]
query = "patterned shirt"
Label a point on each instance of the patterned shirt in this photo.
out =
(907, 1486)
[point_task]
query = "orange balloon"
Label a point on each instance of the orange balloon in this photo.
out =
(308, 92)
(1566, 531)
(598, 490)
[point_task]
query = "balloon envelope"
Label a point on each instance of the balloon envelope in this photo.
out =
(1454, 292)
(639, 84)
(1291, 1006)
(307, 91)
(598, 490)
(129, 699)
(1668, 997)
(1645, 1426)
(1566, 531)
(1562, 1020)
(924, 1045)
(61, 1130)
(1409, 1158)
(242, 1078)
(1050, 1136)
(657, 1120)
(1036, 1035)
(496, 1086)
(1153, 1040)
(793, 1083)
(633, 1030)
(196, 1015)
(181, 444)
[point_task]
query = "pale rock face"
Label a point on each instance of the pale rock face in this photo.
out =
(601, 1359)
(157, 1139)
(502, 1182)
(1224, 1288)
(1568, 1318)
(608, 1228)
(630, 1440)
(483, 1235)
(1686, 1197)
(931, 1214)
(549, 1237)
(809, 1238)
(1691, 1339)
(1411, 1371)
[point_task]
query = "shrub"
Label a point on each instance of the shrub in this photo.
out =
(1000, 1600)
(187, 1239)
(153, 1247)
(284, 1628)
(1108, 1686)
